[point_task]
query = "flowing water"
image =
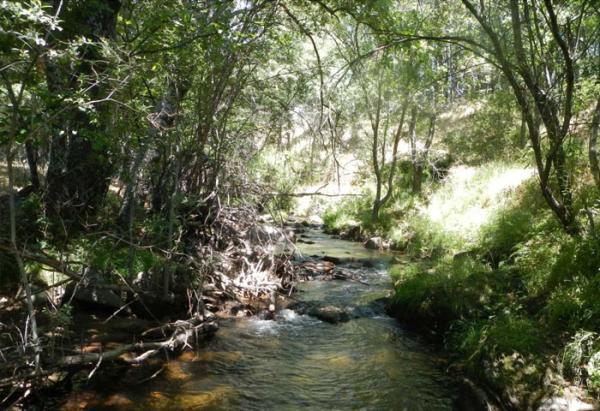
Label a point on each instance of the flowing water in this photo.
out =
(298, 362)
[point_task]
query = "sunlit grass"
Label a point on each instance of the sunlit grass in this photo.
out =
(471, 196)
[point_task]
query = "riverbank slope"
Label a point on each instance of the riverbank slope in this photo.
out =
(490, 275)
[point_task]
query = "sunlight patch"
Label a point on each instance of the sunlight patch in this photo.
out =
(472, 195)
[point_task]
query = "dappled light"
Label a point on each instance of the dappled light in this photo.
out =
(310, 204)
(471, 196)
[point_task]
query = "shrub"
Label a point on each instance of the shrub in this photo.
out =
(495, 337)
(106, 256)
(437, 296)
(578, 353)
(564, 308)
(593, 370)
(524, 215)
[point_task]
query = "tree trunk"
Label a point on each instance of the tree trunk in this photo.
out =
(528, 89)
(416, 161)
(593, 145)
(32, 163)
(35, 343)
(523, 132)
(394, 164)
(375, 210)
(375, 121)
(418, 168)
(163, 118)
(80, 168)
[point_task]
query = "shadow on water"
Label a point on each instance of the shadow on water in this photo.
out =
(298, 362)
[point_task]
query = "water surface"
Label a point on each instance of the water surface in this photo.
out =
(298, 362)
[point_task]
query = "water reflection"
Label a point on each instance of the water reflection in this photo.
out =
(298, 362)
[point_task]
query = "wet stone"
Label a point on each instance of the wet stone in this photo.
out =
(330, 314)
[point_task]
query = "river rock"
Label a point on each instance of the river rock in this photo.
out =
(98, 297)
(265, 315)
(314, 268)
(312, 222)
(91, 291)
(291, 235)
(352, 233)
(334, 260)
(302, 241)
(368, 263)
(565, 404)
(329, 314)
(374, 243)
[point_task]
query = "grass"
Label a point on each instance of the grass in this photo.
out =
(495, 278)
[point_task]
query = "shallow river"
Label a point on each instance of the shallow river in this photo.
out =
(298, 362)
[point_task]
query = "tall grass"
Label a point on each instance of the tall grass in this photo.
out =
(499, 281)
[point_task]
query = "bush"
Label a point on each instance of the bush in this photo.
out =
(523, 215)
(429, 239)
(348, 213)
(498, 336)
(437, 296)
(106, 256)
(580, 357)
(518, 287)
(564, 308)
(593, 369)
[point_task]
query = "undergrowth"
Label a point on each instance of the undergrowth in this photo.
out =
(489, 271)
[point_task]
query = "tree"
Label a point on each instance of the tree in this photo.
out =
(80, 166)
(385, 103)
(24, 30)
(539, 60)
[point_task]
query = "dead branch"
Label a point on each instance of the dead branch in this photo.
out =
(184, 331)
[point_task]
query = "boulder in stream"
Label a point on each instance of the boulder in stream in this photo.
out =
(334, 260)
(93, 291)
(330, 314)
(352, 233)
(374, 243)
(99, 297)
(565, 403)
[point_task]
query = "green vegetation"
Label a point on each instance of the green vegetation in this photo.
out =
(140, 138)
(490, 272)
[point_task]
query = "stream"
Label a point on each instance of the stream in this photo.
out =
(299, 362)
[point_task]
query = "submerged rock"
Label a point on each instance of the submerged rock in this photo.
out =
(330, 314)
(302, 241)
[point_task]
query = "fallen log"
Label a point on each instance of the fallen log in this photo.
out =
(184, 331)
